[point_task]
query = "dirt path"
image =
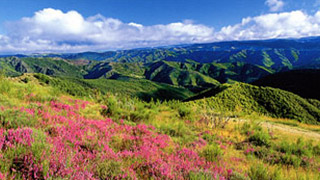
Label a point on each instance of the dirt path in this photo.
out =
(289, 129)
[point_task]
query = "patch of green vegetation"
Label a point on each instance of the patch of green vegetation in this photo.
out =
(267, 61)
(272, 102)
(285, 61)
(140, 88)
(295, 55)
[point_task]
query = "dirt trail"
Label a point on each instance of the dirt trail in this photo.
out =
(290, 129)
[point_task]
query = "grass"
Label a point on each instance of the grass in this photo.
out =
(181, 122)
(248, 99)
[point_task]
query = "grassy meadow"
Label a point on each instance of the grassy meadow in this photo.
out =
(65, 131)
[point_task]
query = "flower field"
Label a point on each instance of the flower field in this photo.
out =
(47, 134)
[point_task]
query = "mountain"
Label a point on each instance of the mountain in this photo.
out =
(128, 87)
(302, 82)
(49, 66)
(190, 74)
(277, 54)
(196, 67)
(277, 103)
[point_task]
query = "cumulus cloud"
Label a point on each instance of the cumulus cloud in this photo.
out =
(274, 5)
(52, 30)
(293, 24)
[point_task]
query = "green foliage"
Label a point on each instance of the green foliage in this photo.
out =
(12, 119)
(109, 169)
(261, 172)
(111, 106)
(260, 138)
(272, 102)
(300, 148)
(212, 152)
(201, 176)
(184, 111)
(65, 86)
(180, 132)
(237, 176)
(267, 61)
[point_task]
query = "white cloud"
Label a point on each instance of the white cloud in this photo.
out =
(54, 30)
(274, 5)
(51, 30)
(293, 24)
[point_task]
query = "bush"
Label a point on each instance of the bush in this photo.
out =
(201, 175)
(260, 138)
(260, 172)
(212, 152)
(12, 119)
(237, 176)
(112, 108)
(109, 169)
(141, 111)
(300, 148)
(184, 111)
(181, 133)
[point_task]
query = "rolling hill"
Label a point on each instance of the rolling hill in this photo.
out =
(130, 87)
(268, 101)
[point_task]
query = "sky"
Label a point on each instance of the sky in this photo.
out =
(40, 26)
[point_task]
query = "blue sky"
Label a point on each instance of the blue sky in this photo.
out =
(28, 26)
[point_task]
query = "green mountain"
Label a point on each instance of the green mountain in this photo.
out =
(131, 87)
(277, 54)
(302, 82)
(277, 103)
(49, 66)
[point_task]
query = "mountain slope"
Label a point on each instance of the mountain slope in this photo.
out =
(302, 82)
(264, 100)
(48, 66)
(143, 89)
(278, 54)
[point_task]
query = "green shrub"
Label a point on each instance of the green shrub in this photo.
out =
(12, 119)
(300, 148)
(237, 176)
(180, 132)
(112, 108)
(141, 111)
(212, 152)
(260, 138)
(209, 138)
(184, 111)
(261, 172)
(109, 169)
(291, 160)
(201, 176)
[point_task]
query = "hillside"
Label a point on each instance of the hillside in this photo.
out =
(192, 75)
(195, 66)
(302, 82)
(49, 66)
(272, 102)
(130, 87)
(47, 133)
